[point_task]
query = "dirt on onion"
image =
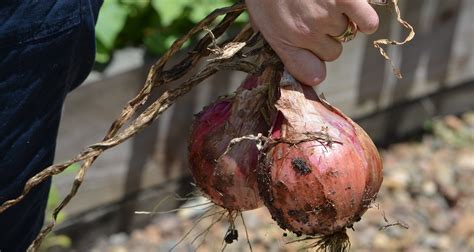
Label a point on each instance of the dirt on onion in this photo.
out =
(317, 171)
(321, 171)
(229, 178)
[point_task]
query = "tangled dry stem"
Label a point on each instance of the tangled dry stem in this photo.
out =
(392, 224)
(263, 142)
(411, 34)
(157, 76)
(235, 55)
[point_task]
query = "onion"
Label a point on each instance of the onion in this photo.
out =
(229, 178)
(322, 171)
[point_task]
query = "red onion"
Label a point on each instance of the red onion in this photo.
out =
(322, 171)
(229, 180)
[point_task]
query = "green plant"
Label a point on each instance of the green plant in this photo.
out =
(153, 24)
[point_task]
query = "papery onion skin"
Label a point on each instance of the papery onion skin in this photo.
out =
(229, 180)
(325, 173)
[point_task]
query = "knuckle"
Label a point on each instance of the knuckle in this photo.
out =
(302, 31)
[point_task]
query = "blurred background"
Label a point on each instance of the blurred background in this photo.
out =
(423, 125)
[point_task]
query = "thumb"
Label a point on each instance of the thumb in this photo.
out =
(252, 23)
(302, 64)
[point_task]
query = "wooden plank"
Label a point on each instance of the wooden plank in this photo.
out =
(406, 119)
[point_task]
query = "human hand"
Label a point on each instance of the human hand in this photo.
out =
(301, 31)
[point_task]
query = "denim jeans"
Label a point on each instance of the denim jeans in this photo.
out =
(47, 48)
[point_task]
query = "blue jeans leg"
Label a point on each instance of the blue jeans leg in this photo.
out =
(46, 49)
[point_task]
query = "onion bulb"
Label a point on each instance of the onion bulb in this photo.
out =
(322, 171)
(228, 178)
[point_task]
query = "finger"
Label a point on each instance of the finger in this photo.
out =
(362, 14)
(302, 64)
(338, 25)
(325, 47)
(252, 23)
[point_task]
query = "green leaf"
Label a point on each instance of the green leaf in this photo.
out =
(102, 54)
(202, 8)
(53, 198)
(154, 43)
(72, 169)
(53, 201)
(112, 18)
(243, 19)
(56, 241)
(170, 10)
(142, 4)
(152, 23)
(60, 217)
